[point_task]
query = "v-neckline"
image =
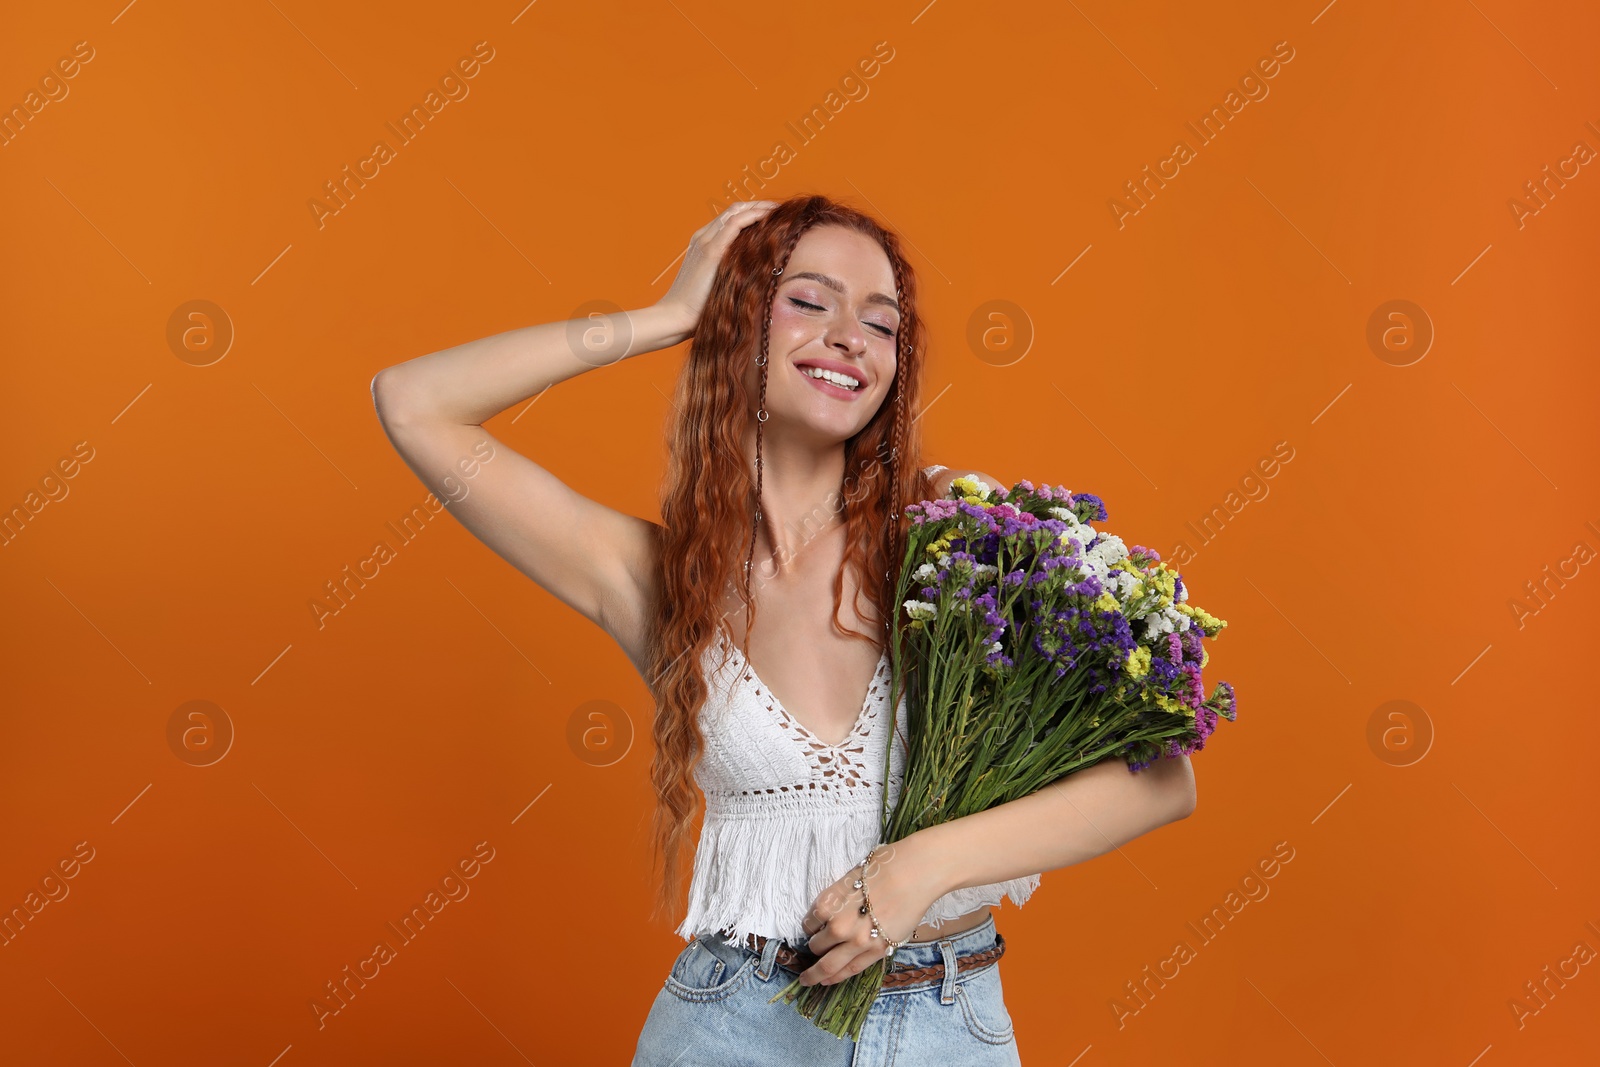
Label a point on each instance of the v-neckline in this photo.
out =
(861, 715)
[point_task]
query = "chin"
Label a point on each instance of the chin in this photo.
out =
(824, 431)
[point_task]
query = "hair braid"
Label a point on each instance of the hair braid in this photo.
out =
(806, 216)
(893, 540)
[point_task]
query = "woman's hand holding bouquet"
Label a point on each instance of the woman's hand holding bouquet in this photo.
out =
(1030, 645)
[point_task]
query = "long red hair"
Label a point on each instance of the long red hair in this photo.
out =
(709, 497)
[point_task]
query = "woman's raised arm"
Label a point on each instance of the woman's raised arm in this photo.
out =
(598, 561)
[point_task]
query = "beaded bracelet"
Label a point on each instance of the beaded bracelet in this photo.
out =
(866, 904)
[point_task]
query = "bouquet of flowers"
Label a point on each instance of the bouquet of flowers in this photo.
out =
(1031, 646)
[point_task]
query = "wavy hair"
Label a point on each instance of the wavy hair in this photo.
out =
(710, 499)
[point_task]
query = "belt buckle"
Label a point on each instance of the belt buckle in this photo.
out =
(803, 957)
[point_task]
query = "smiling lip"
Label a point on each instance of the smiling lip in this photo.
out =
(829, 387)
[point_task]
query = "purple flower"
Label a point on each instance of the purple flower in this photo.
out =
(1193, 694)
(1224, 701)
(1097, 512)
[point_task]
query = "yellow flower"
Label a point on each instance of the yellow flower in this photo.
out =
(1107, 602)
(1176, 707)
(1207, 622)
(1162, 579)
(973, 490)
(1138, 662)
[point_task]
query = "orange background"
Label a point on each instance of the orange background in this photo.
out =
(433, 712)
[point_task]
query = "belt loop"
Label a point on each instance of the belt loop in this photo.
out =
(769, 956)
(947, 990)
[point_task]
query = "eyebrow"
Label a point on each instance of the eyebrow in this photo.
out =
(837, 286)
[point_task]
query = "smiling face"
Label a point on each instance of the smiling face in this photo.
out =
(832, 350)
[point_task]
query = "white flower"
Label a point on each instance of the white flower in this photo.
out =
(1093, 564)
(1081, 534)
(1063, 514)
(926, 573)
(986, 570)
(920, 609)
(1165, 621)
(944, 559)
(1111, 549)
(1155, 625)
(1121, 584)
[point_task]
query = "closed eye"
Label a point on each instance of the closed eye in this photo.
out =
(887, 331)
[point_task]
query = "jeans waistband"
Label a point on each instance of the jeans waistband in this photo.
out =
(945, 950)
(923, 953)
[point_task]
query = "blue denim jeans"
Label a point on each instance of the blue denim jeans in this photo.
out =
(712, 1011)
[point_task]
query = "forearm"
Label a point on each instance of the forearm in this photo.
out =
(475, 381)
(1082, 816)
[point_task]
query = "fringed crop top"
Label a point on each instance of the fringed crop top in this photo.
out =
(787, 815)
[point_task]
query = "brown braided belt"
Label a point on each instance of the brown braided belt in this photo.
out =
(800, 959)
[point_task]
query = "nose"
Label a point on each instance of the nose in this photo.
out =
(847, 336)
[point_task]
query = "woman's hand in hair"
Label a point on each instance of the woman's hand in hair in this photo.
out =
(687, 296)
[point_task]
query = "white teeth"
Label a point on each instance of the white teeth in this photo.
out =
(835, 377)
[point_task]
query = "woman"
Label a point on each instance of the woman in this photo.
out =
(794, 449)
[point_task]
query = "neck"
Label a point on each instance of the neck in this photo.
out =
(802, 499)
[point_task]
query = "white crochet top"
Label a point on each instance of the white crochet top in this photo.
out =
(787, 815)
